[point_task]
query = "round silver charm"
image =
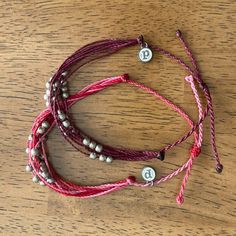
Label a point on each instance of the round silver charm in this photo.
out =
(145, 54)
(148, 174)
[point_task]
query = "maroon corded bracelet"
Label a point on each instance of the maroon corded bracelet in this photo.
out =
(58, 102)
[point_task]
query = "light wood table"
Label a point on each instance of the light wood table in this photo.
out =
(35, 38)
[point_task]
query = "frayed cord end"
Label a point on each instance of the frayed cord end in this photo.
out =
(180, 199)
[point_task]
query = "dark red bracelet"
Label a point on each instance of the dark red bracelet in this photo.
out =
(59, 101)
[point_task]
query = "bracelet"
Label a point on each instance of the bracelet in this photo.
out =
(58, 103)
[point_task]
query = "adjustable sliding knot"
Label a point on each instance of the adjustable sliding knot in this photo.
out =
(124, 77)
(195, 151)
(140, 40)
(130, 180)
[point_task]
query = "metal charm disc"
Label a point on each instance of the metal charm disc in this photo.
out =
(145, 54)
(148, 174)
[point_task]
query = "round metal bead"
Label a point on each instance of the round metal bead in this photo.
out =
(66, 123)
(45, 175)
(64, 89)
(35, 179)
(64, 83)
(92, 145)
(48, 85)
(93, 155)
(45, 124)
(34, 152)
(30, 138)
(64, 73)
(40, 130)
(62, 116)
(27, 150)
(48, 92)
(50, 180)
(28, 168)
(98, 148)
(59, 112)
(55, 85)
(86, 141)
(47, 103)
(41, 183)
(109, 159)
(102, 158)
(65, 95)
(45, 97)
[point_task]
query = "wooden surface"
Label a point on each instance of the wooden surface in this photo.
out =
(36, 36)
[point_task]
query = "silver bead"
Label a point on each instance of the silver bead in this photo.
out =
(48, 92)
(34, 152)
(66, 123)
(64, 83)
(48, 85)
(148, 174)
(102, 158)
(40, 130)
(59, 112)
(98, 148)
(62, 117)
(93, 155)
(109, 159)
(45, 175)
(86, 141)
(92, 145)
(50, 180)
(27, 150)
(55, 85)
(45, 97)
(28, 168)
(64, 89)
(64, 73)
(47, 103)
(43, 167)
(35, 179)
(30, 137)
(65, 95)
(41, 183)
(45, 124)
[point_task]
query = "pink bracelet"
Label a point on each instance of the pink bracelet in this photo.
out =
(59, 101)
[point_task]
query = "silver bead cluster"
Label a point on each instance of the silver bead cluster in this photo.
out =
(44, 126)
(44, 173)
(101, 157)
(97, 149)
(63, 88)
(47, 93)
(62, 117)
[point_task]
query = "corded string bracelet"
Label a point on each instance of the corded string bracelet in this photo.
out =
(58, 102)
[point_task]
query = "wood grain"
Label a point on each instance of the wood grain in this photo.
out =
(36, 36)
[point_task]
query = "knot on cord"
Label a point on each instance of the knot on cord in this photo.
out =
(124, 77)
(219, 167)
(195, 151)
(180, 199)
(130, 180)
